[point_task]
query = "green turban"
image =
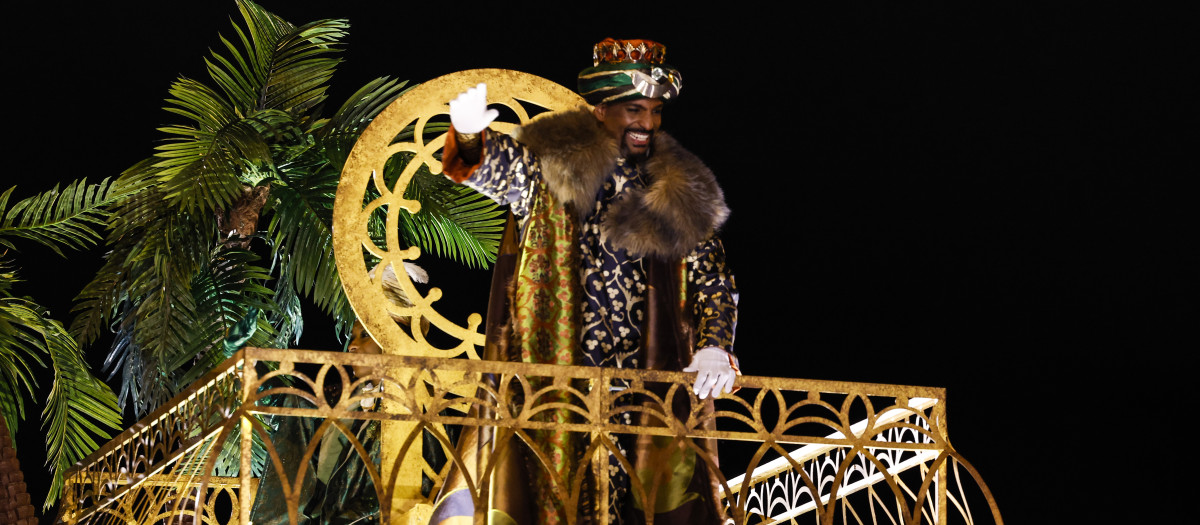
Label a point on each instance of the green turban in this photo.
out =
(628, 70)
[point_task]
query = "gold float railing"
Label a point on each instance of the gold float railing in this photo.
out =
(806, 451)
(144, 474)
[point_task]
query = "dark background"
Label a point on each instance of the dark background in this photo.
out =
(988, 198)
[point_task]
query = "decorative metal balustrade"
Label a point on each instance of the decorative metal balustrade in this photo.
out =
(258, 438)
(140, 475)
(792, 450)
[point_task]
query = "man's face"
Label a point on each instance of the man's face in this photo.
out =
(632, 123)
(361, 342)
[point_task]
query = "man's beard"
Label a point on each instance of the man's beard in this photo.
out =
(636, 158)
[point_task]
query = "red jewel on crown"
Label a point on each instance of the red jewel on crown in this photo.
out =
(636, 51)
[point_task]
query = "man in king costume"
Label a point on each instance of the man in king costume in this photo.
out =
(613, 261)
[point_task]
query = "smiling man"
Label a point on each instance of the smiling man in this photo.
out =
(633, 122)
(614, 223)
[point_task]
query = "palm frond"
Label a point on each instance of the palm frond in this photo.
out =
(11, 407)
(202, 105)
(365, 104)
(166, 315)
(271, 75)
(145, 287)
(225, 293)
(229, 458)
(78, 406)
(302, 237)
(143, 384)
(338, 135)
(204, 172)
(55, 218)
(304, 62)
(20, 352)
(294, 64)
(287, 318)
(454, 221)
(125, 361)
(97, 303)
(275, 65)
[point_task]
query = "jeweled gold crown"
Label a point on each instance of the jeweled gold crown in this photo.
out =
(638, 51)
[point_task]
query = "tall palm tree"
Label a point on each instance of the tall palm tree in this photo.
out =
(232, 215)
(79, 406)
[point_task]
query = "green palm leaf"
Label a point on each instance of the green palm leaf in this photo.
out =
(97, 303)
(78, 405)
(59, 218)
(145, 231)
(338, 136)
(287, 318)
(204, 172)
(20, 352)
(454, 221)
(126, 361)
(301, 208)
(146, 285)
(279, 65)
(226, 292)
(270, 76)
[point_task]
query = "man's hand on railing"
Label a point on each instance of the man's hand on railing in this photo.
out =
(716, 372)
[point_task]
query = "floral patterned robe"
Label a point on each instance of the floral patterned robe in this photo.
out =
(574, 259)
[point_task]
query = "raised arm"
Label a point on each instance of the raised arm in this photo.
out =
(489, 162)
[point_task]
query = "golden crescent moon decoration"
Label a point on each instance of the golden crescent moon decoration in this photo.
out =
(363, 195)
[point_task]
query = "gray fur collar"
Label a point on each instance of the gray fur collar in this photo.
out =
(681, 207)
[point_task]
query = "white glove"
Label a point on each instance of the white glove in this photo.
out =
(368, 403)
(469, 112)
(716, 373)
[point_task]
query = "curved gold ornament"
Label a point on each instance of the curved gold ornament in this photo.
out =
(419, 107)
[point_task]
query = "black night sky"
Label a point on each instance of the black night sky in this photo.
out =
(984, 198)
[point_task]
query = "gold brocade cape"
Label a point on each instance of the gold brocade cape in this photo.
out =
(534, 316)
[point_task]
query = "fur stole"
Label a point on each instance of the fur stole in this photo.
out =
(681, 207)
